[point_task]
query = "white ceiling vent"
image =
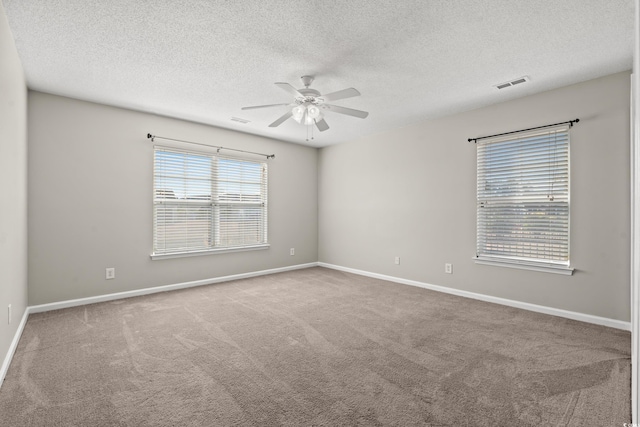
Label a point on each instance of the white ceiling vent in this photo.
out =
(512, 83)
(239, 120)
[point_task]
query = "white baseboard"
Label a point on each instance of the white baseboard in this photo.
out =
(146, 291)
(13, 346)
(588, 318)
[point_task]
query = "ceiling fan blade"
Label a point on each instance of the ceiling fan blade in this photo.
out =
(341, 94)
(290, 89)
(321, 125)
(348, 111)
(262, 106)
(284, 117)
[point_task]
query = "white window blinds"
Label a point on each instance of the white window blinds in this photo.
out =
(205, 202)
(523, 197)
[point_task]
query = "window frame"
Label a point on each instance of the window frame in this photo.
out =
(515, 260)
(213, 203)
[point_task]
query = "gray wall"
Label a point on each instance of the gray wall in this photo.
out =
(411, 193)
(13, 179)
(90, 201)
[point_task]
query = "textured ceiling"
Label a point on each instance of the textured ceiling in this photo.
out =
(202, 60)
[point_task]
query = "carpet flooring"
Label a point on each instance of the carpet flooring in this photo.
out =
(314, 347)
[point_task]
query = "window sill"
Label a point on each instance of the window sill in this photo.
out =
(556, 269)
(210, 252)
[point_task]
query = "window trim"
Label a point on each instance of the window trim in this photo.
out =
(211, 251)
(548, 266)
(214, 221)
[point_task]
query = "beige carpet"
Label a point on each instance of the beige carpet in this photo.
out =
(314, 347)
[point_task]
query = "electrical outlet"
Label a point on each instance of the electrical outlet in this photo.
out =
(110, 273)
(9, 313)
(448, 268)
(397, 260)
(292, 251)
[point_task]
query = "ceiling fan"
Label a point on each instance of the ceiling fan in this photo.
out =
(308, 105)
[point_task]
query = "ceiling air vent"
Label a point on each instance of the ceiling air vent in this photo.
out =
(239, 120)
(512, 83)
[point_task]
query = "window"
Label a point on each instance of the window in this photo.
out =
(523, 200)
(207, 203)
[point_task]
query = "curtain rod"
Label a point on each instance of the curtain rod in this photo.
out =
(153, 137)
(570, 122)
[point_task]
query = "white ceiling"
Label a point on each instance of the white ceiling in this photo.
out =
(202, 60)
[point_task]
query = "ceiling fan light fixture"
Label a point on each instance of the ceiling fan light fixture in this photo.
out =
(306, 114)
(298, 113)
(309, 121)
(313, 111)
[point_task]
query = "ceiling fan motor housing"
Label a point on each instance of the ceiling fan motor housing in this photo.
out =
(311, 96)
